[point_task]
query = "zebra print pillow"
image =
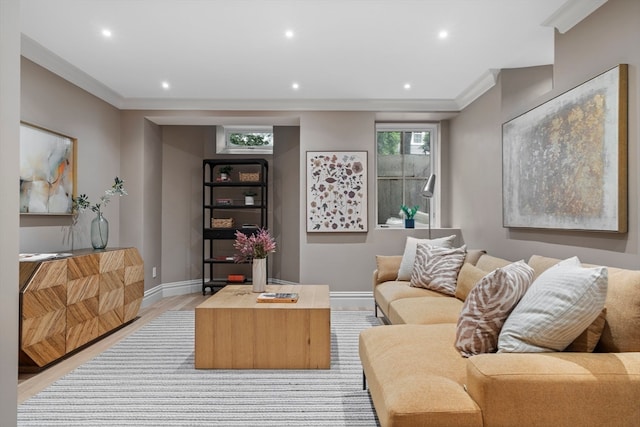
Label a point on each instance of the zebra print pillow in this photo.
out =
(436, 268)
(487, 307)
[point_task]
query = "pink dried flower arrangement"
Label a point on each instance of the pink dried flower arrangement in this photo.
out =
(257, 245)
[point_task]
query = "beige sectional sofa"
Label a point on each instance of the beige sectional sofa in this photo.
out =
(416, 376)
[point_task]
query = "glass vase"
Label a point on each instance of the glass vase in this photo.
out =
(259, 278)
(99, 232)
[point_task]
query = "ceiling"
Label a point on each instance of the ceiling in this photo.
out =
(344, 54)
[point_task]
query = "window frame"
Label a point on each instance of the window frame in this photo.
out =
(224, 146)
(434, 128)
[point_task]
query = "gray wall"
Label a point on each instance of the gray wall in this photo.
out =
(182, 154)
(285, 197)
(9, 208)
(345, 260)
(53, 103)
(606, 38)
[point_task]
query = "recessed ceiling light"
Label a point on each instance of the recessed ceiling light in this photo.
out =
(165, 85)
(295, 86)
(407, 86)
(106, 32)
(288, 34)
(443, 34)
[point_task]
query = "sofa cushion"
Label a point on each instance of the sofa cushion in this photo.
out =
(487, 307)
(387, 292)
(556, 389)
(468, 276)
(490, 263)
(387, 267)
(473, 255)
(622, 326)
(560, 304)
(424, 310)
(541, 263)
(437, 268)
(409, 255)
(587, 340)
(415, 376)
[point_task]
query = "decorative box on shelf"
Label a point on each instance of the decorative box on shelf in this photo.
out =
(224, 202)
(221, 222)
(249, 176)
(236, 278)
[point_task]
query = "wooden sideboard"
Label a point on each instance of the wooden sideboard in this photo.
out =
(66, 303)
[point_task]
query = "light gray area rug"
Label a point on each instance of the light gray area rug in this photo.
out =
(148, 379)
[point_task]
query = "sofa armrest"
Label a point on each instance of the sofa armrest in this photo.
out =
(559, 389)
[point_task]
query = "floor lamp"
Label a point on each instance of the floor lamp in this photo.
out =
(427, 193)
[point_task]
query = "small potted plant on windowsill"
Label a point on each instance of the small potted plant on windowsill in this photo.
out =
(409, 213)
(225, 172)
(249, 197)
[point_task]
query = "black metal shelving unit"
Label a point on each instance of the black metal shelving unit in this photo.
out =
(223, 199)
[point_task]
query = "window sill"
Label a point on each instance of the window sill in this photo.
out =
(402, 227)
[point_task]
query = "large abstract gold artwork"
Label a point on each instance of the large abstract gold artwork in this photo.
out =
(565, 161)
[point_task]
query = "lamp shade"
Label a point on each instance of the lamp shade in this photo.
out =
(429, 187)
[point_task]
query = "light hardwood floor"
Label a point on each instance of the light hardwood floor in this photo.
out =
(30, 384)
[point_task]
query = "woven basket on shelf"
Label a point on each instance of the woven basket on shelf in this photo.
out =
(221, 222)
(249, 176)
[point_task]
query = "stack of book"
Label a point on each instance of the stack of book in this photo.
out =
(278, 297)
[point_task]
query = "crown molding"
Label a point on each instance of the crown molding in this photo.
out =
(418, 105)
(572, 12)
(480, 86)
(35, 52)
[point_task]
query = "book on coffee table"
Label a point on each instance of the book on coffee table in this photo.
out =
(278, 297)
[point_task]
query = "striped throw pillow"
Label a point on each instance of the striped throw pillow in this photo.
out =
(410, 248)
(487, 307)
(437, 268)
(560, 304)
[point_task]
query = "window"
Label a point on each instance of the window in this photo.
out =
(244, 140)
(405, 160)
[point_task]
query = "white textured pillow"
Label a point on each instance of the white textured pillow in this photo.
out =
(487, 307)
(560, 304)
(409, 256)
(437, 268)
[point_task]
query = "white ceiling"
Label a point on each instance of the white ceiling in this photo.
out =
(345, 54)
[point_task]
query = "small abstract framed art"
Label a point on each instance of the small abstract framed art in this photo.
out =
(336, 191)
(565, 161)
(47, 171)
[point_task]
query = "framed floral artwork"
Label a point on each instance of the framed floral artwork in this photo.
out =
(336, 191)
(47, 171)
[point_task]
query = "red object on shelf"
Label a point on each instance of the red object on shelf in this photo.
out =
(236, 278)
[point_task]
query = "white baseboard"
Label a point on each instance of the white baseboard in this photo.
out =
(340, 300)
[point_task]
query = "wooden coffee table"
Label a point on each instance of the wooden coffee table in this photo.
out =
(233, 331)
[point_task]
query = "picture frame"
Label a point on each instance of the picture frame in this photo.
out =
(336, 191)
(48, 177)
(565, 161)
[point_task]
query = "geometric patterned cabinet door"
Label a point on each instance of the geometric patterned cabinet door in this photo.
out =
(69, 302)
(133, 284)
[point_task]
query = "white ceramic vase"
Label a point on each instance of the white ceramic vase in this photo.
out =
(259, 278)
